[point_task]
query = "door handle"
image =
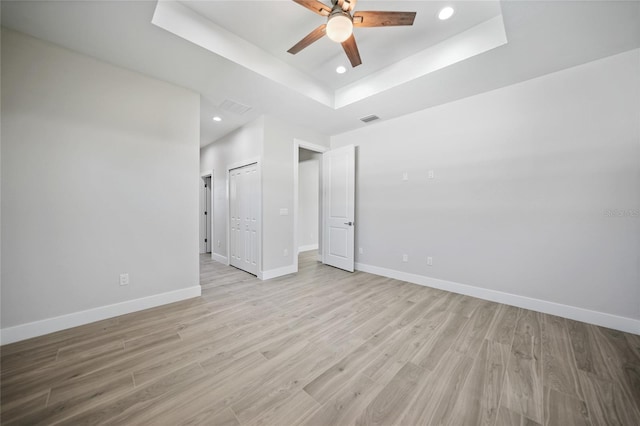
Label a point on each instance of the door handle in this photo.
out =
(349, 223)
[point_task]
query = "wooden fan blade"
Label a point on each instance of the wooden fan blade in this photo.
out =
(315, 6)
(351, 49)
(313, 36)
(383, 19)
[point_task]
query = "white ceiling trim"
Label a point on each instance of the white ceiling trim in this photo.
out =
(180, 20)
(479, 39)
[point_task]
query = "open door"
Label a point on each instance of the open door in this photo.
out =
(339, 207)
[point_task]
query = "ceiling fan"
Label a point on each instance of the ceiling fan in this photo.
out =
(340, 23)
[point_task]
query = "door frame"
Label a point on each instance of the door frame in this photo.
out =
(297, 144)
(211, 214)
(258, 162)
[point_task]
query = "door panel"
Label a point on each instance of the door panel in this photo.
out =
(339, 200)
(243, 218)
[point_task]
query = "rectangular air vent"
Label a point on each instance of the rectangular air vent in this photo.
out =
(369, 118)
(234, 107)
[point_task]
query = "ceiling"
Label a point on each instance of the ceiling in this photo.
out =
(275, 26)
(542, 37)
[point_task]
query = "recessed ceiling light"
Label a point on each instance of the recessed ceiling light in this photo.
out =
(216, 118)
(341, 70)
(445, 13)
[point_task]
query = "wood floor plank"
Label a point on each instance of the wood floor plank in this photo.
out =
(324, 347)
(558, 367)
(339, 374)
(503, 326)
(562, 409)
(23, 407)
(393, 400)
(522, 392)
(119, 410)
(476, 328)
(73, 398)
(444, 337)
(438, 393)
(607, 403)
(291, 411)
(347, 404)
(587, 353)
(622, 361)
(479, 398)
(507, 417)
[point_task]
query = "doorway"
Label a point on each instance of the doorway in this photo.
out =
(309, 174)
(206, 214)
(307, 205)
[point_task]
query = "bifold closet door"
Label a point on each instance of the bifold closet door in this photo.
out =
(243, 218)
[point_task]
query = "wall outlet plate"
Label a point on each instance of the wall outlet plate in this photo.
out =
(124, 279)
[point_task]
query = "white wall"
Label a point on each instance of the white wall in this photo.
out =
(308, 199)
(524, 178)
(99, 177)
(240, 145)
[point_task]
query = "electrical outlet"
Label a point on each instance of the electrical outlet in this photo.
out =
(285, 252)
(405, 176)
(218, 243)
(431, 174)
(405, 257)
(430, 261)
(361, 250)
(124, 279)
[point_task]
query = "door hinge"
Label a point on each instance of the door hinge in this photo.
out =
(205, 240)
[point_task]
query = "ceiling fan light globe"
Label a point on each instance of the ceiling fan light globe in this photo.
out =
(339, 28)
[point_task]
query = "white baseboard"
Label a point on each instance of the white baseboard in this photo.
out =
(50, 325)
(308, 248)
(220, 258)
(625, 324)
(278, 272)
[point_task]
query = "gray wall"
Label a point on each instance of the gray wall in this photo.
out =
(524, 180)
(99, 177)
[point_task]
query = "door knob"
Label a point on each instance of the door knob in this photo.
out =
(349, 223)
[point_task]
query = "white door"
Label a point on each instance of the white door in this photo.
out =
(243, 218)
(339, 207)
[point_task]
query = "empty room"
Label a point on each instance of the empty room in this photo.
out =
(320, 212)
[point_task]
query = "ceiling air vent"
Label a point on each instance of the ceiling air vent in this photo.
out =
(234, 107)
(369, 118)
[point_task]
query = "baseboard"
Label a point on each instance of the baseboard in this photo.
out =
(50, 325)
(220, 258)
(307, 248)
(625, 324)
(274, 273)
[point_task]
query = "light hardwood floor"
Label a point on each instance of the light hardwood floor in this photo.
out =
(324, 347)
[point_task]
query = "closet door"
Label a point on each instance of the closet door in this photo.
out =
(243, 218)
